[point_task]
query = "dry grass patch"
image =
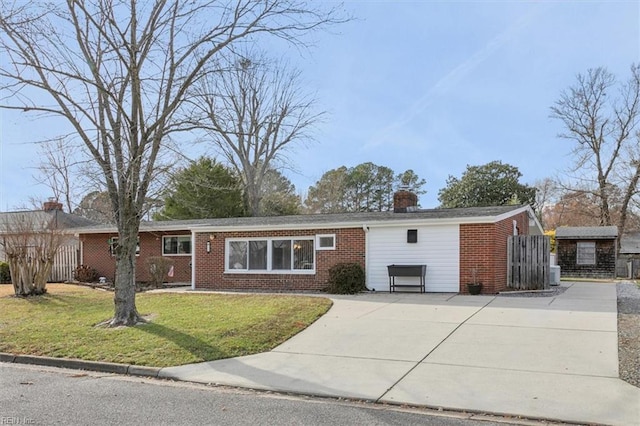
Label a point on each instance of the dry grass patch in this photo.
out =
(184, 328)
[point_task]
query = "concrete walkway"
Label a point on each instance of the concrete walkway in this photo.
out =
(543, 357)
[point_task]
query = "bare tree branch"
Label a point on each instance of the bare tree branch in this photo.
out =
(118, 73)
(604, 126)
(253, 114)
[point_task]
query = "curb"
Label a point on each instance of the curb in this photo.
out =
(139, 370)
(78, 364)
(7, 357)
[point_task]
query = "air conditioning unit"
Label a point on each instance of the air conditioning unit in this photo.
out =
(555, 275)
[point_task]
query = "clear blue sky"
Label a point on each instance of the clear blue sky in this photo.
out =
(426, 85)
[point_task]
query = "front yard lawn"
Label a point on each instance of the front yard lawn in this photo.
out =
(183, 328)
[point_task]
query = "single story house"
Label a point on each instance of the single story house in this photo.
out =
(587, 251)
(50, 217)
(294, 253)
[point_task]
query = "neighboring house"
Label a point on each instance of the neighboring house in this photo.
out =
(50, 217)
(294, 253)
(587, 251)
(628, 265)
(629, 246)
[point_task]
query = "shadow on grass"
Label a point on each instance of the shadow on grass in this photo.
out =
(194, 345)
(46, 298)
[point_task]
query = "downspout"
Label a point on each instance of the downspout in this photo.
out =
(365, 228)
(80, 253)
(193, 260)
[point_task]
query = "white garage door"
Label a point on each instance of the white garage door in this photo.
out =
(437, 246)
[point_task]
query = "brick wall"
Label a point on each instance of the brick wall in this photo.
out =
(96, 254)
(484, 247)
(605, 267)
(350, 247)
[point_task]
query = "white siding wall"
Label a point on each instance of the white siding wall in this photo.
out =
(438, 247)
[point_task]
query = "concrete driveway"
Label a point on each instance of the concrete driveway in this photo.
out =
(544, 357)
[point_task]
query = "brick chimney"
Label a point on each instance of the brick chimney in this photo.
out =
(404, 201)
(51, 205)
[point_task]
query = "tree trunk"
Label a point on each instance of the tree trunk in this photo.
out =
(605, 214)
(124, 299)
(253, 199)
(19, 276)
(29, 274)
(42, 274)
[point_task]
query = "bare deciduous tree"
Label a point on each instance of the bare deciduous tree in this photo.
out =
(601, 116)
(118, 73)
(30, 248)
(58, 169)
(253, 114)
(546, 197)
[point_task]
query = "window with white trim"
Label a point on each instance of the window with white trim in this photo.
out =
(176, 245)
(326, 242)
(274, 255)
(586, 253)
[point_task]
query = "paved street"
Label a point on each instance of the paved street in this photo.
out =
(43, 395)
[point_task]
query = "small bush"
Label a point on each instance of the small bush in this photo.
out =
(86, 274)
(158, 268)
(346, 278)
(5, 274)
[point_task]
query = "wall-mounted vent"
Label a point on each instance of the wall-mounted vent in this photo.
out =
(412, 235)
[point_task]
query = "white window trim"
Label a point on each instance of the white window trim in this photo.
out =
(319, 236)
(177, 236)
(269, 257)
(584, 243)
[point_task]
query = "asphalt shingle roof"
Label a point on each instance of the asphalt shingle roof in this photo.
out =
(584, 232)
(316, 219)
(42, 219)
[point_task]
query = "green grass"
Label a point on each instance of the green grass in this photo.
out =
(183, 328)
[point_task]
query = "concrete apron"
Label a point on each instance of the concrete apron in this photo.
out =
(545, 357)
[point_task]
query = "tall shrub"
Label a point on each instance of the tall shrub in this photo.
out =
(346, 278)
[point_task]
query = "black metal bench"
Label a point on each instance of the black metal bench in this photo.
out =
(418, 271)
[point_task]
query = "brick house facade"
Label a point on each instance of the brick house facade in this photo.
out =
(480, 242)
(483, 246)
(96, 253)
(210, 267)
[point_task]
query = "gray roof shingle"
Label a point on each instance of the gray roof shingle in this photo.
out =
(586, 232)
(43, 219)
(315, 219)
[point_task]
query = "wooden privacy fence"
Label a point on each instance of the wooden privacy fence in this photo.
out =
(628, 268)
(528, 262)
(64, 264)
